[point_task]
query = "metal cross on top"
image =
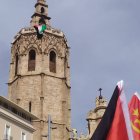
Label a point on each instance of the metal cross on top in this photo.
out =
(100, 90)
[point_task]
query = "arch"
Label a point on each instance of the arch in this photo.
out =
(16, 64)
(35, 47)
(52, 61)
(31, 60)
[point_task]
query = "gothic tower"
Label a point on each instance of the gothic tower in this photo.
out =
(39, 78)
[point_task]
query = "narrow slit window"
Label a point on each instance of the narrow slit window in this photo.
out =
(52, 64)
(16, 65)
(30, 106)
(31, 60)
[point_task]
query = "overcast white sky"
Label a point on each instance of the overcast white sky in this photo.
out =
(104, 36)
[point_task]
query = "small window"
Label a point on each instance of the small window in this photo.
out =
(31, 60)
(16, 65)
(7, 132)
(18, 100)
(42, 10)
(52, 64)
(23, 136)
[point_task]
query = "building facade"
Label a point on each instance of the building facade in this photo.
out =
(39, 78)
(15, 122)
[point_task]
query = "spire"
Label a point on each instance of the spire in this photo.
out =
(41, 12)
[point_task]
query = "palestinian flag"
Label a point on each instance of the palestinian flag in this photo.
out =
(115, 123)
(40, 28)
(134, 110)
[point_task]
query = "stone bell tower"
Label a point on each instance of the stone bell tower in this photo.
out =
(39, 78)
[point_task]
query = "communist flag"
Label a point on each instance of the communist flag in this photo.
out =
(134, 109)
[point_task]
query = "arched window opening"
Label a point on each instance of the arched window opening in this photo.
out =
(30, 106)
(16, 65)
(31, 61)
(52, 64)
(42, 10)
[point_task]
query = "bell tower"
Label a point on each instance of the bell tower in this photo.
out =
(39, 78)
(41, 11)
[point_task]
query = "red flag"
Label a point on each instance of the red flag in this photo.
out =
(115, 123)
(120, 128)
(134, 109)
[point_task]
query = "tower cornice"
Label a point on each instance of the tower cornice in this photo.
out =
(31, 30)
(41, 4)
(29, 75)
(39, 15)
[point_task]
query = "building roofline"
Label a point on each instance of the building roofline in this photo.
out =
(12, 104)
(5, 114)
(31, 30)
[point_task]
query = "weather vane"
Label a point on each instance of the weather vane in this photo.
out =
(100, 90)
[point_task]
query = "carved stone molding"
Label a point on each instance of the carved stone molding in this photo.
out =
(43, 45)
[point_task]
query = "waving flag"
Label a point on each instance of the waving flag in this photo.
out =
(115, 124)
(40, 28)
(134, 109)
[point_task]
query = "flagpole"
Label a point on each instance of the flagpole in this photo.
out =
(49, 127)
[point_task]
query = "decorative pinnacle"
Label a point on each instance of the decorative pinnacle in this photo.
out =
(100, 90)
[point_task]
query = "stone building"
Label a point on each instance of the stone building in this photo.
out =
(94, 116)
(39, 78)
